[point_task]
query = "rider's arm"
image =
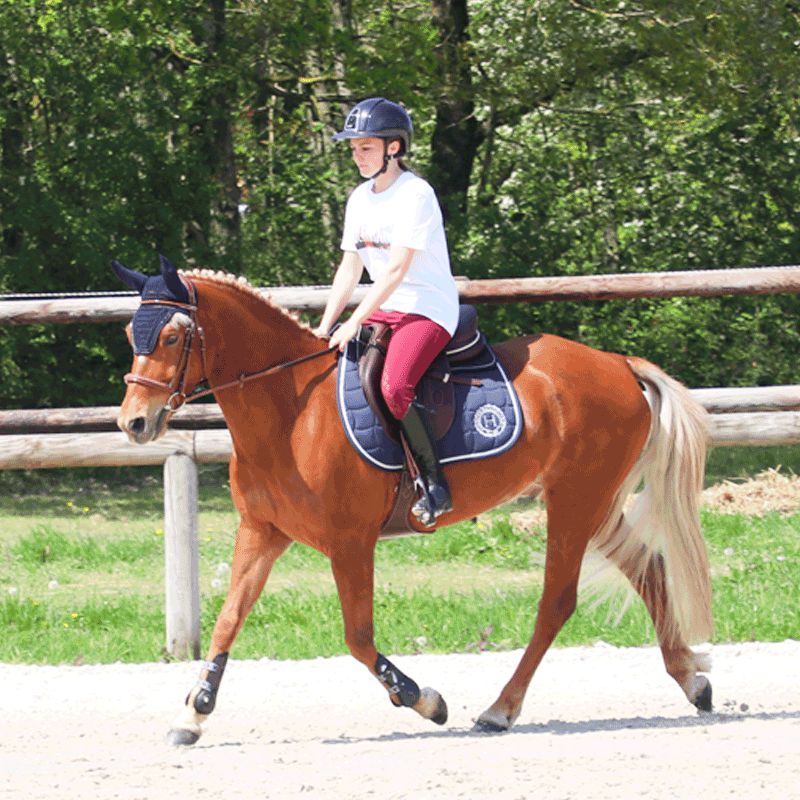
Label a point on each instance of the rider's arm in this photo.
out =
(347, 276)
(399, 263)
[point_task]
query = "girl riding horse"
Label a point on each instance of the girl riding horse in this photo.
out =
(393, 227)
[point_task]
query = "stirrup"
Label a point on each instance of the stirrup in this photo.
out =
(429, 508)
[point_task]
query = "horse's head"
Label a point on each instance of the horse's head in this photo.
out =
(162, 336)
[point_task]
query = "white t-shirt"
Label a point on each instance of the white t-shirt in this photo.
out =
(406, 214)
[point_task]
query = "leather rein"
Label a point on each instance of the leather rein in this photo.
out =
(177, 386)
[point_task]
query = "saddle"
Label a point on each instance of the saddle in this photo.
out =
(471, 403)
(467, 352)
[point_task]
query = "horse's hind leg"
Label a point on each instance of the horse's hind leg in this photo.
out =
(353, 570)
(682, 663)
(254, 554)
(574, 511)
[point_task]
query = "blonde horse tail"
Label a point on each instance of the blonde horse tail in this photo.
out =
(664, 519)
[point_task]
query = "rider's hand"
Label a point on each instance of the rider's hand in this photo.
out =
(343, 334)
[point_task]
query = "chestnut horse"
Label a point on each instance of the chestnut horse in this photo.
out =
(597, 426)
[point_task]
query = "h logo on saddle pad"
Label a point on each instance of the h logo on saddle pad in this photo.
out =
(473, 405)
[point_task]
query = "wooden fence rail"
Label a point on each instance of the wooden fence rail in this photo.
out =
(208, 446)
(693, 283)
(208, 415)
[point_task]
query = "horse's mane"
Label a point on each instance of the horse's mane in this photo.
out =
(240, 284)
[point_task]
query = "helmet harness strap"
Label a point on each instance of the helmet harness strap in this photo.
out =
(386, 159)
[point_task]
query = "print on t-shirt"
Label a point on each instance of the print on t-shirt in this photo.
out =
(364, 243)
(377, 238)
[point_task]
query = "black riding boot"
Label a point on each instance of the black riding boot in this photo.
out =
(435, 499)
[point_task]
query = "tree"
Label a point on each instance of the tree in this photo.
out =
(563, 138)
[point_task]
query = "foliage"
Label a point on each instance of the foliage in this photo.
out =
(564, 138)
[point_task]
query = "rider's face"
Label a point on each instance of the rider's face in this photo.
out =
(368, 154)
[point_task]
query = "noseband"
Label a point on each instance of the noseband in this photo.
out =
(177, 386)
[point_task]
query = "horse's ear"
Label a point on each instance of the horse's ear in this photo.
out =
(131, 278)
(171, 278)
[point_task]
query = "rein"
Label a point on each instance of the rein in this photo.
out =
(262, 373)
(177, 385)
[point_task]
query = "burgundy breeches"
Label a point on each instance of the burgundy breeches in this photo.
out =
(415, 343)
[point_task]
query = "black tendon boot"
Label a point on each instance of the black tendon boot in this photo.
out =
(435, 499)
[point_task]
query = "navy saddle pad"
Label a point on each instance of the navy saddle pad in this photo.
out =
(487, 420)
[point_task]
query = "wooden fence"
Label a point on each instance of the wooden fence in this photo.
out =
(48, 438)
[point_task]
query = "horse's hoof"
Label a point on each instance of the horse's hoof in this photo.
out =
(702, 700)
(491, 722)
(180, 737)
(486, 726)
(432, 706)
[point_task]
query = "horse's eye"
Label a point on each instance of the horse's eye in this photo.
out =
(171, 339)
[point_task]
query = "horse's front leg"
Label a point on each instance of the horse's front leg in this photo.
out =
(353, 570)
(255, 552)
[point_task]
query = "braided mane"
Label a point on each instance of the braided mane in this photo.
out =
(240, 284)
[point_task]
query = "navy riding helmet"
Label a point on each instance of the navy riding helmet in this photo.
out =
(382, 119)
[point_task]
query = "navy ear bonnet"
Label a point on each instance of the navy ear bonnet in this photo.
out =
(149, 319)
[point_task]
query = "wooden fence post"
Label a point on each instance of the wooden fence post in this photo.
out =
(181, 557)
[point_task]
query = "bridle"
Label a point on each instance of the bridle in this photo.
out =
(177, 386)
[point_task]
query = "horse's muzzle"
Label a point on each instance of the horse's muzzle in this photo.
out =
(142, 429)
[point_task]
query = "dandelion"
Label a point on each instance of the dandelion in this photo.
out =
(13, 591)
(74, 615)
(70, 504)
(222, 568)
(66, 624)
(728, 551)
(52, 584)
(159, 531)
(216, 583)
(86, 509)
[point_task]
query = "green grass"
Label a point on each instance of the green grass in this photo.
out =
(81, 577)
(756, 571)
